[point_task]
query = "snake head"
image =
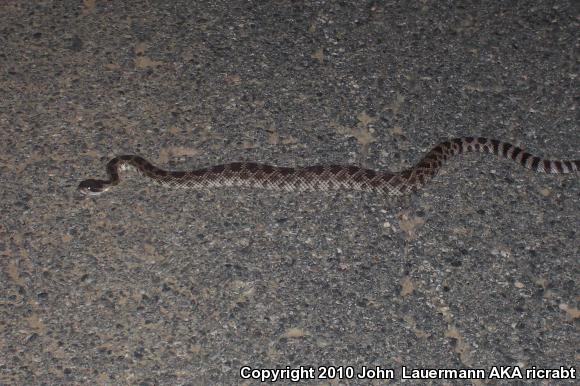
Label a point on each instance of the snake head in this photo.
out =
(92, 187)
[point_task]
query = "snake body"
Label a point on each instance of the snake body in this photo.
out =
(326, 177)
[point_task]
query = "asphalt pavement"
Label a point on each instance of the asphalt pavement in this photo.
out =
(471, 280)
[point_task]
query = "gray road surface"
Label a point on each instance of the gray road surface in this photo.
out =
(149, 286)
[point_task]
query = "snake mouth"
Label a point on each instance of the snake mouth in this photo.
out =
(87, 192)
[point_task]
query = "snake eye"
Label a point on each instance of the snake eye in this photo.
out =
(91, 187)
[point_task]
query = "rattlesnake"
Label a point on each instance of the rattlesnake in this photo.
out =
(325, 177)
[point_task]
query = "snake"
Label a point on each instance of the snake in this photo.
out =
(324, 177)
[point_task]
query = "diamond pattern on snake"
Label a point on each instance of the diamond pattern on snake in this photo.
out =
(325, 177)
